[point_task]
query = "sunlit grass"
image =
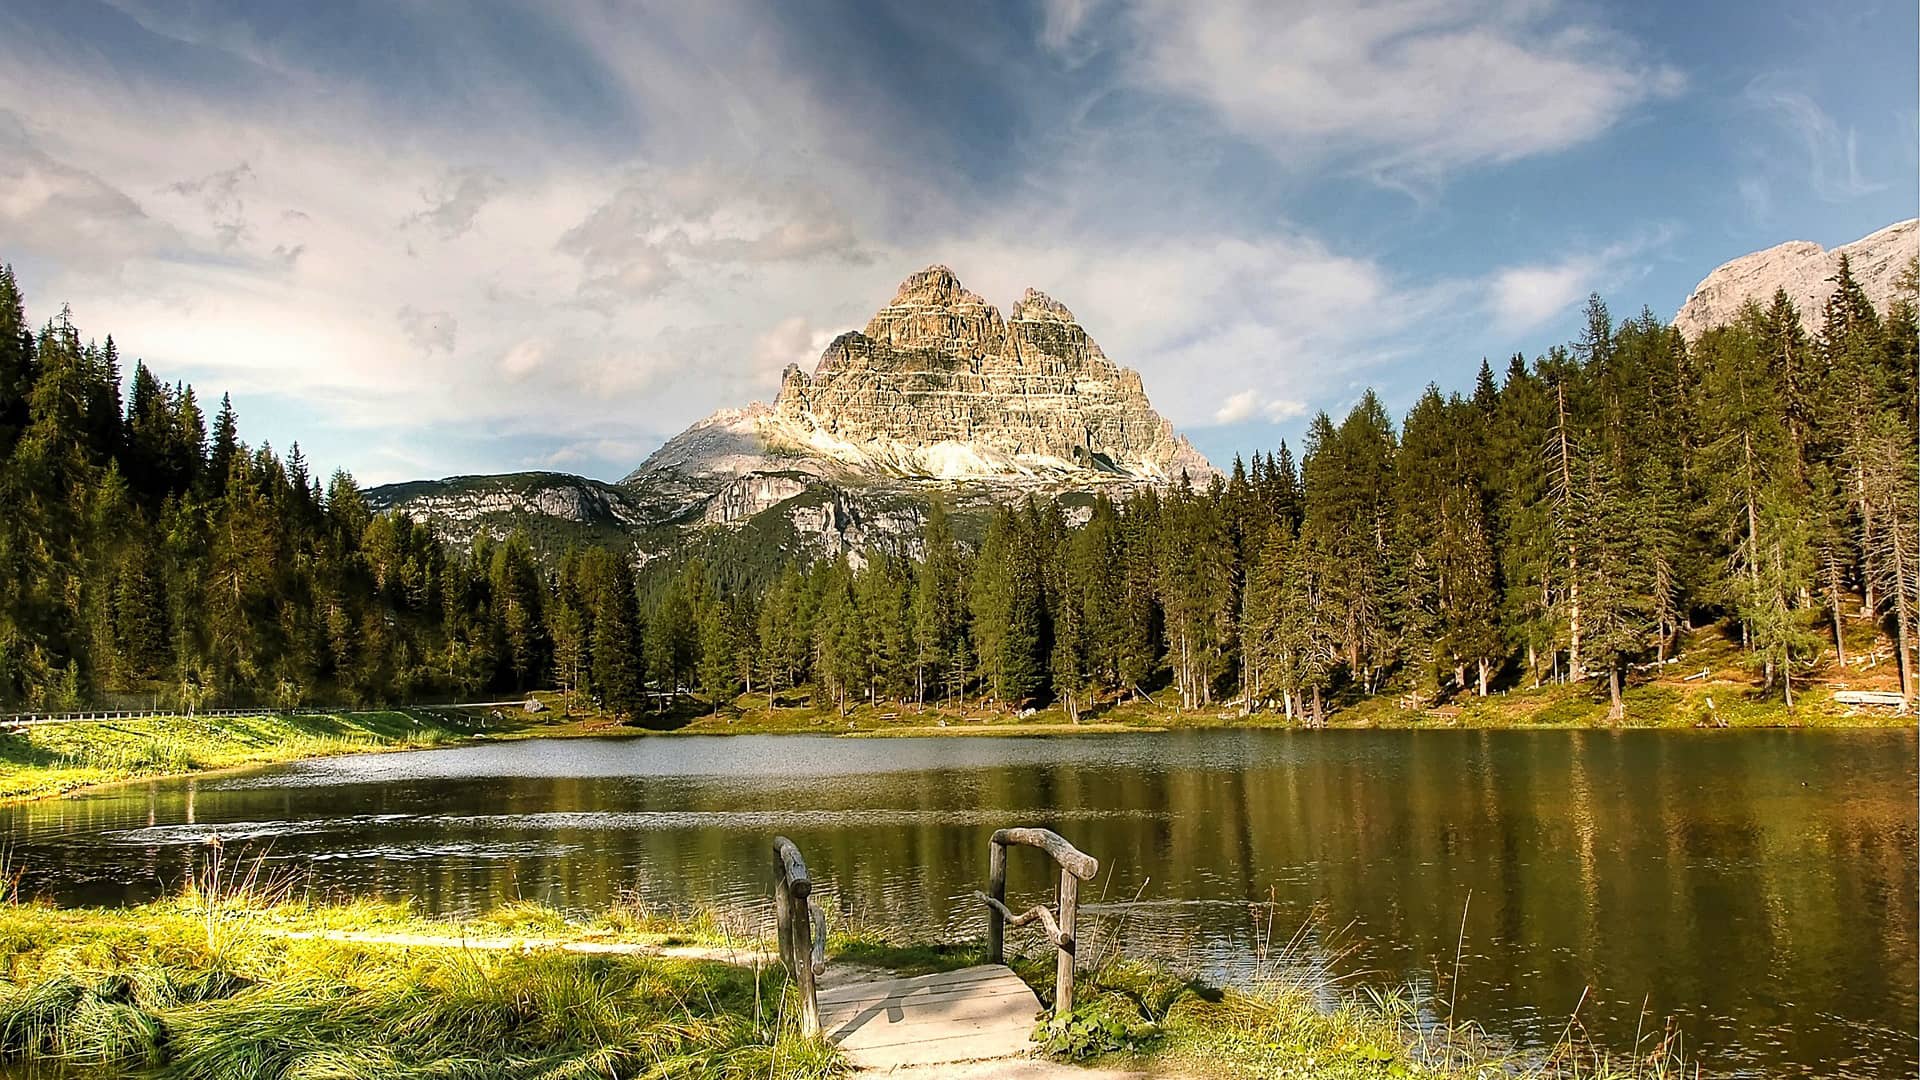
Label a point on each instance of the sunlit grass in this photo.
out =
(53, 758)
(210, 985)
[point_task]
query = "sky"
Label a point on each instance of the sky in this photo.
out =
(428, 238)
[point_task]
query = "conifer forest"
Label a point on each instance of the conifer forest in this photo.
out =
(1565, 518)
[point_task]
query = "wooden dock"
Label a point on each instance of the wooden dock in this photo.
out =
(980, 1013)
(966, 1015)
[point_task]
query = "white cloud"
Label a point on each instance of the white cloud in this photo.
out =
(1246, 404)
(428, 331)
(1410, 86)
(52, 208)
(1064, 28)
(792, 340)
(219, 195)
(455, 201)
(1284, 409)
(1524, 298)
(523, 360)
(1238, 407)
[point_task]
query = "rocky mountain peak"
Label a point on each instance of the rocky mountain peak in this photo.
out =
(1035, 305)
(932, 310)
(939, 386)
(1804, 269)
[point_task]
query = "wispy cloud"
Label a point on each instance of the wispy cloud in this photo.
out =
(1525, 298)
(1832, 151)
(1402, 87)
(561, 219)
(455, 201)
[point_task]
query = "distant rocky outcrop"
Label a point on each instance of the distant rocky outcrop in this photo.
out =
(1804, 269)
(939, 387)
(939, 396)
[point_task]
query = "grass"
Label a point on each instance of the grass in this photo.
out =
(1727, 695)
(1289, 1018)
(53, 759)
(209, 987)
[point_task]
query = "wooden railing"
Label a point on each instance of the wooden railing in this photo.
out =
(1075, 866)
(802, 928)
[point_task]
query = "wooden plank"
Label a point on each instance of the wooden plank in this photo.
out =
(1869, 697)
(939, 1051)
(882, 1026)
(883, 987)
(970, 1014)
(899, 1011)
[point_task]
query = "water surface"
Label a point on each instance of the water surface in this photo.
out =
(1758, 887)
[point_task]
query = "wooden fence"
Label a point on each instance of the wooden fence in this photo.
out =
(1075, 866)
(801, 927)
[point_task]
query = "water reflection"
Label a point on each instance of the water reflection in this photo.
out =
(1759, 886)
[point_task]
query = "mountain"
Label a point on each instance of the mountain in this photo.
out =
(1803, 269)
(939, 396)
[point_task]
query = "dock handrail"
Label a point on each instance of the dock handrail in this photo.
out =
(1075, 866)
(802, 940)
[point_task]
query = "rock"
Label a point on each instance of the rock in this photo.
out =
(938, 396)
(535, 705)
(939, 387)
(1803, 269)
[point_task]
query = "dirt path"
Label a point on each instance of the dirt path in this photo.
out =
(743, 956)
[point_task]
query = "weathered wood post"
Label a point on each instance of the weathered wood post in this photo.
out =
(1075, 866)
(795, 917)
(996, 912)
(1064, 959)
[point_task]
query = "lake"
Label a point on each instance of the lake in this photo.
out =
(1757, 887)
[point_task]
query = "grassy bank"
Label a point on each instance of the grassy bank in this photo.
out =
(211, 987)
(1289, 1019)
(217, 991)
(50, 759)
(1706, 685)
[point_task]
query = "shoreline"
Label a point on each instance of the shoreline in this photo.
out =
(429, 728)
(238, 972)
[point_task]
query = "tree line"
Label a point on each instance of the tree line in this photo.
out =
(147, 560)
(1567, 519)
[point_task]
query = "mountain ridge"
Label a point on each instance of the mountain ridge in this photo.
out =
(938, 396)
(1804, 269)
(849, 454)
(939, 386)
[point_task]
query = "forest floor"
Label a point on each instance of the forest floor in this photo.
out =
(1706, 684)
(239, 978)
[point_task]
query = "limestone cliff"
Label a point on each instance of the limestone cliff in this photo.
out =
(940, 387)
(1804, 269)
(939, 396)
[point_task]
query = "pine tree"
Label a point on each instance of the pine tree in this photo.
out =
(939, 608)
(616, 652)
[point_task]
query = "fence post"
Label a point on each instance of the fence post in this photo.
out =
(792, 890)
(1075, 866)
(996, 888)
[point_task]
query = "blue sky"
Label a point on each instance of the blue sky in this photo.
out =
(432, 238)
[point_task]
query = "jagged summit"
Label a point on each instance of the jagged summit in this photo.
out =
(938, 397)
(1803, 268)
(1035, 304)
(940, 386)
